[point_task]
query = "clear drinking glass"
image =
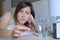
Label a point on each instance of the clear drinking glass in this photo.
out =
(45, 27)
(39, 27)
(42, 27)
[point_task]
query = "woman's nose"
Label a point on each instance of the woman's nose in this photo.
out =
(23, 15)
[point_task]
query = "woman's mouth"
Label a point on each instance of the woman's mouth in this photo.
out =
(22, 19)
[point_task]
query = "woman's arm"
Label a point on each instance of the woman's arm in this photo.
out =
(4, 23)
(5, 33)
(5, 19)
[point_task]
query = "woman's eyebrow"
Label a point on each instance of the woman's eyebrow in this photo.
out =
(28, 11)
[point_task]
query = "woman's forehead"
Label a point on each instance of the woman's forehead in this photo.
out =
(26, 8)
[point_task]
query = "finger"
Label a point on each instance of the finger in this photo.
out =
(17, 32)
(23, 28)
(16, 35)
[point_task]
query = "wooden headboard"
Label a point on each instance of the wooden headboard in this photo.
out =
(0, 8)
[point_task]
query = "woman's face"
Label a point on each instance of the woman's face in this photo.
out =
(23, 15)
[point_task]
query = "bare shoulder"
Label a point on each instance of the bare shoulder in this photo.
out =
(7, 14)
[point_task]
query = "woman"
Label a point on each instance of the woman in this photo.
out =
(23, 18)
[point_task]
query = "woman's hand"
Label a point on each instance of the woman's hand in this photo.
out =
(20, 29)
(32, 20)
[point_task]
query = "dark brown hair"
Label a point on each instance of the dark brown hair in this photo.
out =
(23, 4)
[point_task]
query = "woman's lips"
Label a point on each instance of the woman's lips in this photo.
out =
(22, 19)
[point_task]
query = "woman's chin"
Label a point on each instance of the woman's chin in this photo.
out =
(22, 23)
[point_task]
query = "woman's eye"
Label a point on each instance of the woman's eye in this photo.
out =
(27, 13)
(21, 11)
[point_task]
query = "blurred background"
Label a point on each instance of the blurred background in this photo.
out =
(46, 11)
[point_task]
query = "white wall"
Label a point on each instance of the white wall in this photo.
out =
(41, 9)
(54, 6)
